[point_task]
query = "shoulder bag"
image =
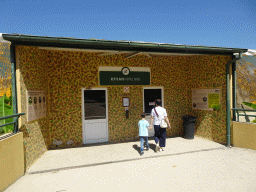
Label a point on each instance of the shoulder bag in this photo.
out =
(163, 123)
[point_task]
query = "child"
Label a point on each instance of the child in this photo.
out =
(143, 133)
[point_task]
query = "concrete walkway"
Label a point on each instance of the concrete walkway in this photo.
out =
(92, 155)
(186, 165)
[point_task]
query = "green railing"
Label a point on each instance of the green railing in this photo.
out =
(243, 114)
(15, 122)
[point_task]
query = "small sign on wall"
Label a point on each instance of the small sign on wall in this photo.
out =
(36, 105)
(151, 104)
(205, 99)
(126, 102)
(126, 89)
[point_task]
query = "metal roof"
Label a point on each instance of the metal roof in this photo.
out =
(63, 42)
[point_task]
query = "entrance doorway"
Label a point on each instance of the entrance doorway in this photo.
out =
(95, 115)
(150, 94)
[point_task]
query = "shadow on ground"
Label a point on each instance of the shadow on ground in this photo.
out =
(137, 147)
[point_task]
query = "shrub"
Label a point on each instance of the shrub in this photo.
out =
(5, 110)
(252, 105)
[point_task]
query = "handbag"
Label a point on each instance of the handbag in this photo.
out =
(163, 123)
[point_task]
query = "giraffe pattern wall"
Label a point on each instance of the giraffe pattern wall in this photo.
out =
(62, 74)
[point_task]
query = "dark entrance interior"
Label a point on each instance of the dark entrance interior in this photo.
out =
(94, 104)
(150, 95)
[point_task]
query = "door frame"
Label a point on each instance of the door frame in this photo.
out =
(157, 87)
(82, 100)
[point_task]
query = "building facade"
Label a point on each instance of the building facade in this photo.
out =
(94, 91)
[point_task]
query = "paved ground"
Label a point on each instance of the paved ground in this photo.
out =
(185, 165)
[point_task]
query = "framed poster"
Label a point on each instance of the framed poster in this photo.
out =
(31, 108)
(126, 101)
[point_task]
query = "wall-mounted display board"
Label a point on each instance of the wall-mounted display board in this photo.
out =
(36, 105)
(205, 99)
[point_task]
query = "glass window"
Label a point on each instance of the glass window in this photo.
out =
(95, 104)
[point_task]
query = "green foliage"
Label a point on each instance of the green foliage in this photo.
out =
(252, 106)
(5, 110)
(10, 98)
(216, 107)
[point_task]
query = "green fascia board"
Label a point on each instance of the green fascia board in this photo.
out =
(20, 39)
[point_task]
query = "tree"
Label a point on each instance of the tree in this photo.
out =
(246, 78)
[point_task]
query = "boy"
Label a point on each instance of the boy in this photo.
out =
(143, 133)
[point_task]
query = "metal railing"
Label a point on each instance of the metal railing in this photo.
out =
(15, 122)
(243, 114)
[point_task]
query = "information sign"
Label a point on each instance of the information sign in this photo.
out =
(205, 99)
(36, 105)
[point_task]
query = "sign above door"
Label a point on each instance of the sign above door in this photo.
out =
(124, 75)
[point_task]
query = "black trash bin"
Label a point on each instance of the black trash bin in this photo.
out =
(189, 126)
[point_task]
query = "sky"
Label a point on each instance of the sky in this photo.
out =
(219, 23)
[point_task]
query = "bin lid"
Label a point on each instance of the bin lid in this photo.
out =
(189, 118)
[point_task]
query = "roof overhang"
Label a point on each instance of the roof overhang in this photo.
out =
(117, 46)
(2, 39)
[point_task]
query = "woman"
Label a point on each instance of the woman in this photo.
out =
(157, 114)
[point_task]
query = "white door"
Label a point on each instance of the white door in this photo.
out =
(95, 115)
(150, 94)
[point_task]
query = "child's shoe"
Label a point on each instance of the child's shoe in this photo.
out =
(147, 149)
(141, 153)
